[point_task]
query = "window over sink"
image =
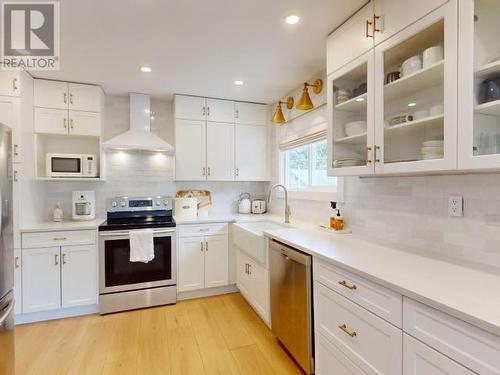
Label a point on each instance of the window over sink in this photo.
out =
(303, 170)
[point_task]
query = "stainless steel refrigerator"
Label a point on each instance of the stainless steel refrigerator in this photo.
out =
(7, 359)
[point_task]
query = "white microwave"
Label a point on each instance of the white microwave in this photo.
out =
(71, 165)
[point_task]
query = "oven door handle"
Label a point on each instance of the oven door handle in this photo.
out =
(116, 234)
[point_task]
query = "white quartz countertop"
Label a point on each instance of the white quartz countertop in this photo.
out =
(469, 294)
(226, 218)
(63, 225)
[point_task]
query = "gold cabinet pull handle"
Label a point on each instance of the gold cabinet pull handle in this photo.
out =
(71, 98)
(375, 18)
(15, 150)
(206, 246)
(71, 123)
(59, 239)
(344, 284)
(368, 160)
(368, 23)
(237, 172)
(204, 111)
(208, 171)
(56, 259)
(15, 176)
(64, 258)
(201, 246)
(208, 111)
(65, 98)
(16, 262)
(14, 84)
(343, 327)
(375, 154)
(203, 171)
(65, 123)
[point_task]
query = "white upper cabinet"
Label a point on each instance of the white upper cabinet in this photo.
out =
(416, 114)
(352, 39)
(10, 83)
(351, 127)
(220, 140)
(392, 16)
(85, 123)
(51, 94)
(51, 121)
(85, 97)
(220, 151)
(220, 110)
(479, 85)
(190, 108)
(190, 150)
(250, 113)
(251, 153)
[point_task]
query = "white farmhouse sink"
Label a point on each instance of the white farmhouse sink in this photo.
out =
(249, 237)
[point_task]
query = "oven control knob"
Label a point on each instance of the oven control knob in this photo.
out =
(158, 203)
(165, 203)
(114, 204)
(122, 203)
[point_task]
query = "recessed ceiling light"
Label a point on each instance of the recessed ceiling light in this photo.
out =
(145, 69)
(292, 19)
(412, 104)
(238, 83)
(360, 99)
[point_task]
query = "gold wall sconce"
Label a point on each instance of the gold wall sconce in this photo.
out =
(305, 102)
(278, 117)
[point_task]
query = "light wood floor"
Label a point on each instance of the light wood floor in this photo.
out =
(215, 335)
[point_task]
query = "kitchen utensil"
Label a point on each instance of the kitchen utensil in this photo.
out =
(420, 114)
(432, 55)
(436, 110)
(392, 76)
(258, 206)
(244, 204)
(83, 207)
(186, 207)
(400, 119)
(489, 90)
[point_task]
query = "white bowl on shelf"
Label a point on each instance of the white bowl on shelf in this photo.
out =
(432, 55)
(354, 128)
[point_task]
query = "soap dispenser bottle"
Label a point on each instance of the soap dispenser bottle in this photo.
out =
(339, 221)
(333, 205)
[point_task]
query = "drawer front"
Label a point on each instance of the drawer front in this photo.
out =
(419, 359)
(379, 300)
(470, 346)
(202, 230)
(330, 360)
(60, 238)
(374, 345)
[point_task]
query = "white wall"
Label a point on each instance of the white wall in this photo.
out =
(411, 212)
(138, 174)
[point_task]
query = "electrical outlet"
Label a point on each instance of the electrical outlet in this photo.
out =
(455, 206)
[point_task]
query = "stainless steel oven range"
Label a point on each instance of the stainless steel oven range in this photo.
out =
(126, 285)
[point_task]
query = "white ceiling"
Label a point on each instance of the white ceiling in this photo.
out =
(196, 46)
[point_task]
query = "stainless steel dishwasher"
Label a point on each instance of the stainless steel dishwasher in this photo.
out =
(291, 302)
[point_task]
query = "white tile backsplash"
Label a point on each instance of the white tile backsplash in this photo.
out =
(142, 173)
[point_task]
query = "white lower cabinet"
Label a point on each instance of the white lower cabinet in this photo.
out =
(331, 360)
(60, 276)
(252, 279)
(42, 279)
(420, 359)
(203, 260)
(78, 275)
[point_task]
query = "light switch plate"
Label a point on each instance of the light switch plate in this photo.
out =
(455, 206)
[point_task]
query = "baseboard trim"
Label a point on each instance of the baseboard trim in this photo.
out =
(207, 292)
(56, 314)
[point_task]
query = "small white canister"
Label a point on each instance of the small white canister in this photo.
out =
(186, 207)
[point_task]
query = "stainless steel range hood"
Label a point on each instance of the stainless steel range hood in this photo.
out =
(139, 137)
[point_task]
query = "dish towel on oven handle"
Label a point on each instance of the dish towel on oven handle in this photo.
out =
(141, 245)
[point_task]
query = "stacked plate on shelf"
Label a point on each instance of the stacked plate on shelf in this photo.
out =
(342, 163)
(432, 149)
(355, 128)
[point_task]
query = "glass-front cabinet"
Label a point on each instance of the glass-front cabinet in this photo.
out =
(394, 109)
(479, 85)
(350, 111)
(416, 96)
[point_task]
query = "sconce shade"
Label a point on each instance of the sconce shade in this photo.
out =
(278, 117)
(305, 102)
